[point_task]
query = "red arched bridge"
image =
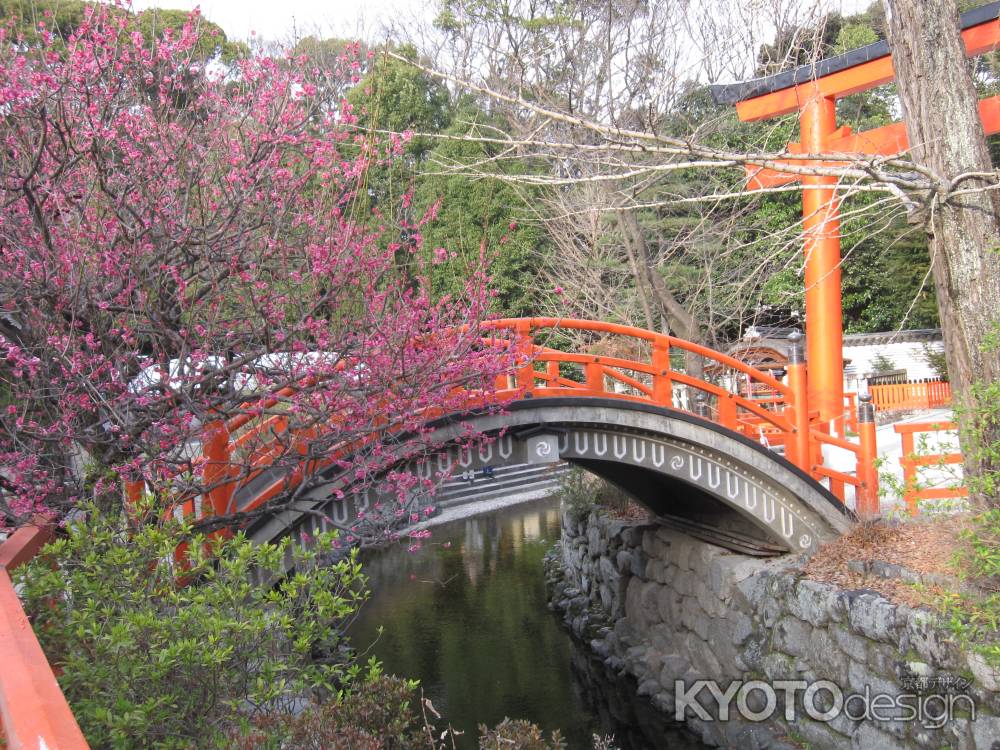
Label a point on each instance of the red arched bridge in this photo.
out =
(734, 456)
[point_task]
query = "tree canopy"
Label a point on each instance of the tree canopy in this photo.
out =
(63, 18)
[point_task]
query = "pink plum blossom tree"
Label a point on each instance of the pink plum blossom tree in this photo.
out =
(185, 243)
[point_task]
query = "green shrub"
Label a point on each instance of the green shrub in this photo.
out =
(974, 619)
(980, 443)
(981, 559)
(149, 662)
(578, 492)
(386, 713)
(153, 654)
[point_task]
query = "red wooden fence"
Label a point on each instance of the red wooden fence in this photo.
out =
(929, 395)
(911, 464)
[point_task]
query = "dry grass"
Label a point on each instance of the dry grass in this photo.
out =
(630, 511)
(925, 546)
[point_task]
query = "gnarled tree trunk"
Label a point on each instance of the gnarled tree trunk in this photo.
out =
(682, 323)
(963, 217)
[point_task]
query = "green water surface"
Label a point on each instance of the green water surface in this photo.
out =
(467, 615)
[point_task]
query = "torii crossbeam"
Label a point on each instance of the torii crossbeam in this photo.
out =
(812, 91)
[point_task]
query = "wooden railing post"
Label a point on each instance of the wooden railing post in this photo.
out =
(133, 495)
(525, 376)
(907, 462)
(798, 383)
(552, 373)
(663, 387)
(727, 412)
(867, 470)
(593, 376)
(215, 448)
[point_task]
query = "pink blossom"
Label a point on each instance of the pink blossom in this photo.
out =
(100, 293)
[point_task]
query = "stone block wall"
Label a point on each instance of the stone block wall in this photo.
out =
(662, 606)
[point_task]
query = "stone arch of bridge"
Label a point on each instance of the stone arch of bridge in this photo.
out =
(689, 472)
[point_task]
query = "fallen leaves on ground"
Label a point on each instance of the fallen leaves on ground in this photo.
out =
(924, 545)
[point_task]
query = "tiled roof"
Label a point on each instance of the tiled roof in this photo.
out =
(911, 336)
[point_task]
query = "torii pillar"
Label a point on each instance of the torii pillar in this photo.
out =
(821, 245)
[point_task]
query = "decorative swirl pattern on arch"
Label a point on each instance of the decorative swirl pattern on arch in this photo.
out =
(685, 470)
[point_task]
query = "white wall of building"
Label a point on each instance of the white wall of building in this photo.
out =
(909, 356)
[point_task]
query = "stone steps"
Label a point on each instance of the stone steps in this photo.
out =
(506, 481)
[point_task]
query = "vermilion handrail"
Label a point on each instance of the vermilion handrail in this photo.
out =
(600, 326)
(777, 419)
(34, 713)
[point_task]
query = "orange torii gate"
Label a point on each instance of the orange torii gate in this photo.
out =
(812, 91)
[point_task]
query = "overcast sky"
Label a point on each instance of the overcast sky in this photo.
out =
(283, 19)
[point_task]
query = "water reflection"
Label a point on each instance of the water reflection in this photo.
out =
(467, 616)
(633, 721)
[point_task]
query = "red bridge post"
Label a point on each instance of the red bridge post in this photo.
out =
(800, 453)
(215, 448)
(33, 711)
(663, 388)
(868, 502)
(525, 376)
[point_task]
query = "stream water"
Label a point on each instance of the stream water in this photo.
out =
(467, 616)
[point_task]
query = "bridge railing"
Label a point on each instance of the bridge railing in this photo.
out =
(779, 418)
(549, 371)
(33, 710)
(618, 362)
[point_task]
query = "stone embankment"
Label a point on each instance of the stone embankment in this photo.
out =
(662, 607)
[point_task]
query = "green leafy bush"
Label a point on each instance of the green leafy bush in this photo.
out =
(578, 492)
(581, 492)
(982, 558)
(981, 426)
(147, 661)
(974, 618)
